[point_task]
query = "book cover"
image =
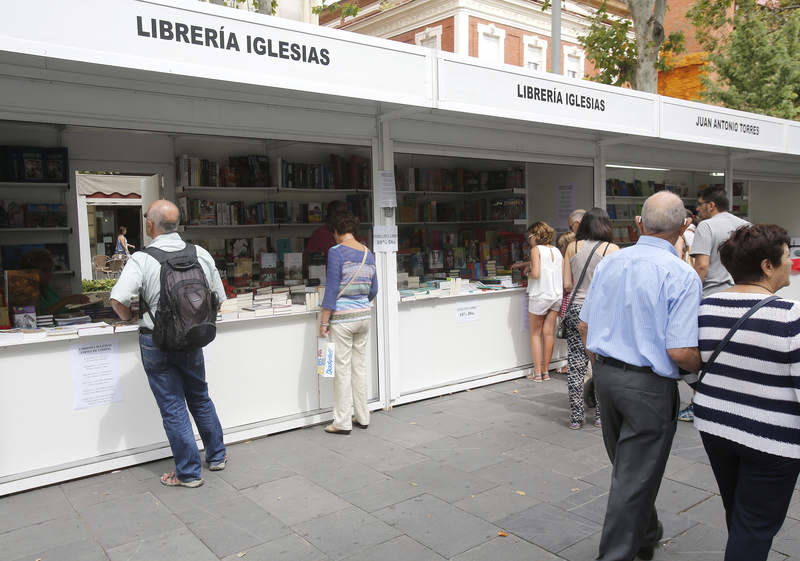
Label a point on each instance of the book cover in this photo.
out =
(242, 271)
(269, 269)
(238, 247)
(35, 215)
(259, 246)
(22, 287)
(293, 268)
(16, 214)
(24, 317)
(315, 213)
(55, 167)
(33, 165)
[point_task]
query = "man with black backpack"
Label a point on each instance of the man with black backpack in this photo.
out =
(179, 291)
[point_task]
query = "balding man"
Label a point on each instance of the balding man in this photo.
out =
(574, 219)
(640, 324)
(177, 378)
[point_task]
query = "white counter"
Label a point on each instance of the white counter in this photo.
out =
(261, 375)
(441, 353)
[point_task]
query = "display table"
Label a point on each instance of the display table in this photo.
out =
(261, 375)
(465, 341)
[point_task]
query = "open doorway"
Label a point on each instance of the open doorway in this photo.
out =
(104, 227)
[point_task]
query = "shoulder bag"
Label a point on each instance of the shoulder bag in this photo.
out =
(561, 332)
(724, 343)
(363, 260)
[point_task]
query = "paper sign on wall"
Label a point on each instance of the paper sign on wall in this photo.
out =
(467, 312)
(384, 238)
(387, 192)
(566, 204)
(95, 373)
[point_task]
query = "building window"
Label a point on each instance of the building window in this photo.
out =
(491, 43)
(430, 38)
(535, 54)
(574, 60)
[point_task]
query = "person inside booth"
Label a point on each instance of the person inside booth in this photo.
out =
(322, 238)
(50, 302)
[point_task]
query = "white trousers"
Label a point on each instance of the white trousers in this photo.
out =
(350, 380)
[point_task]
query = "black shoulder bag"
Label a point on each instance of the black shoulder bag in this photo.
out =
(561, 332)
(724, 343)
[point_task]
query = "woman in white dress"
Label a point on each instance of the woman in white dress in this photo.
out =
(545, 291)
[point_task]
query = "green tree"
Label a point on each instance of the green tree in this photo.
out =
(754, 54)
(621, 60)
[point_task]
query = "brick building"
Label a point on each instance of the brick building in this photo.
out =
(684, 80)
(513, 32)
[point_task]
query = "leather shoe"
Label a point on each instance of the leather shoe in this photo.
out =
(647, 552)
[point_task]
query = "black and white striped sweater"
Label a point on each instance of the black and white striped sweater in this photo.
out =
(751, 394)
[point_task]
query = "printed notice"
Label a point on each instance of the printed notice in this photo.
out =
(95, 373)
(384, 238)
(566, 204)
(387, 192)
(467, 312)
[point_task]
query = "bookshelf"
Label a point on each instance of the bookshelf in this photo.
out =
(458, 216)
(241, 198)
(33, 208)
(628, 187)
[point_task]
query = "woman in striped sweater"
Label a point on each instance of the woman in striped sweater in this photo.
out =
(747, 406)
(351, 284)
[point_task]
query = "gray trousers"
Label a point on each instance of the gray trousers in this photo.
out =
(639, 421)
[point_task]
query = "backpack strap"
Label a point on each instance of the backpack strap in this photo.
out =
(724, 343)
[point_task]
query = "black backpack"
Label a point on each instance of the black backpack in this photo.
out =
(187, 309)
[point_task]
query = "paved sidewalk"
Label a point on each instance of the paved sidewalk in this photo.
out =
(434, 480)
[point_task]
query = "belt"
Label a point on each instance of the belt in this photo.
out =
(623, 365)
(145, 331)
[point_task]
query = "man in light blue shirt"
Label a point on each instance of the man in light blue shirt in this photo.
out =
(639, 323)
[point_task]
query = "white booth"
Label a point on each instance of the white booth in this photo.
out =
(477, 153)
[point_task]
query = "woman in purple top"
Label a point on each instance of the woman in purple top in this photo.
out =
(350, 287)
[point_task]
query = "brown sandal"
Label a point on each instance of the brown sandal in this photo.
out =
(171, 480)
(333, 430)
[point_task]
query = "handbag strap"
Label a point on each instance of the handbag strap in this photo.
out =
(724, 343)
(363, 260)
(583, 273)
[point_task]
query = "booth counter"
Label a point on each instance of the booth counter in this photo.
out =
(92, 78)
(261, 374)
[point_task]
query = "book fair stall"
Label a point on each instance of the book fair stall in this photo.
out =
(254, 126)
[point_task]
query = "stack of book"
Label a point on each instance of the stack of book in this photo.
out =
(45, 320)
(491, 269)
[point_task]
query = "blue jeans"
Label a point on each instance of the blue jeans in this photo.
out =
(178, 379)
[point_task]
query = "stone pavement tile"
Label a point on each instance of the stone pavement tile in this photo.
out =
(787, 541)
(410, 411)
(345, 532)
(794, 506)
(382, 494)
(674, 524)
(101, 488)
(581, 497)
(400, 432)
(510, 548)
(342, 475)
(23, 542)
(595, 454)
(692, 453)
(549, 527)
(697, 475)
(498, 503)
(287, 548)
(294, 499)
(594, 510)
(466, 455)
(235, 525)
(542, 484)
(699, 543)
(248, 466)
(676, 497)
(449, 424)
(151, 469)
(401, 548)
(545, 455)
(438, 525)
(446, 483)
(524, 423)
(599, 478)
(584, 550)
(83, 550)
(181, 500)
(710, 512)
(573, 439)
(128, 519)
(374, 452)
(676, 464)
(178, 545)
(33, 507)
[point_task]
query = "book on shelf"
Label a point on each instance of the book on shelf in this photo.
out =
(269, 269)
(293, 268)
(24, 316)
(21, 288)
(33, 164)
(242, 271)
(238, 247)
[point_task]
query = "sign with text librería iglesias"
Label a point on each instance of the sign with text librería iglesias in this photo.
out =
(208, 41)
(511, 92)
(694, 122)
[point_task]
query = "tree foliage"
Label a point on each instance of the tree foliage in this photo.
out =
(615, 55)
(754, 54)
(345, 8)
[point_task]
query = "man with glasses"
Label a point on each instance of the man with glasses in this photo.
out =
(716, 227)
